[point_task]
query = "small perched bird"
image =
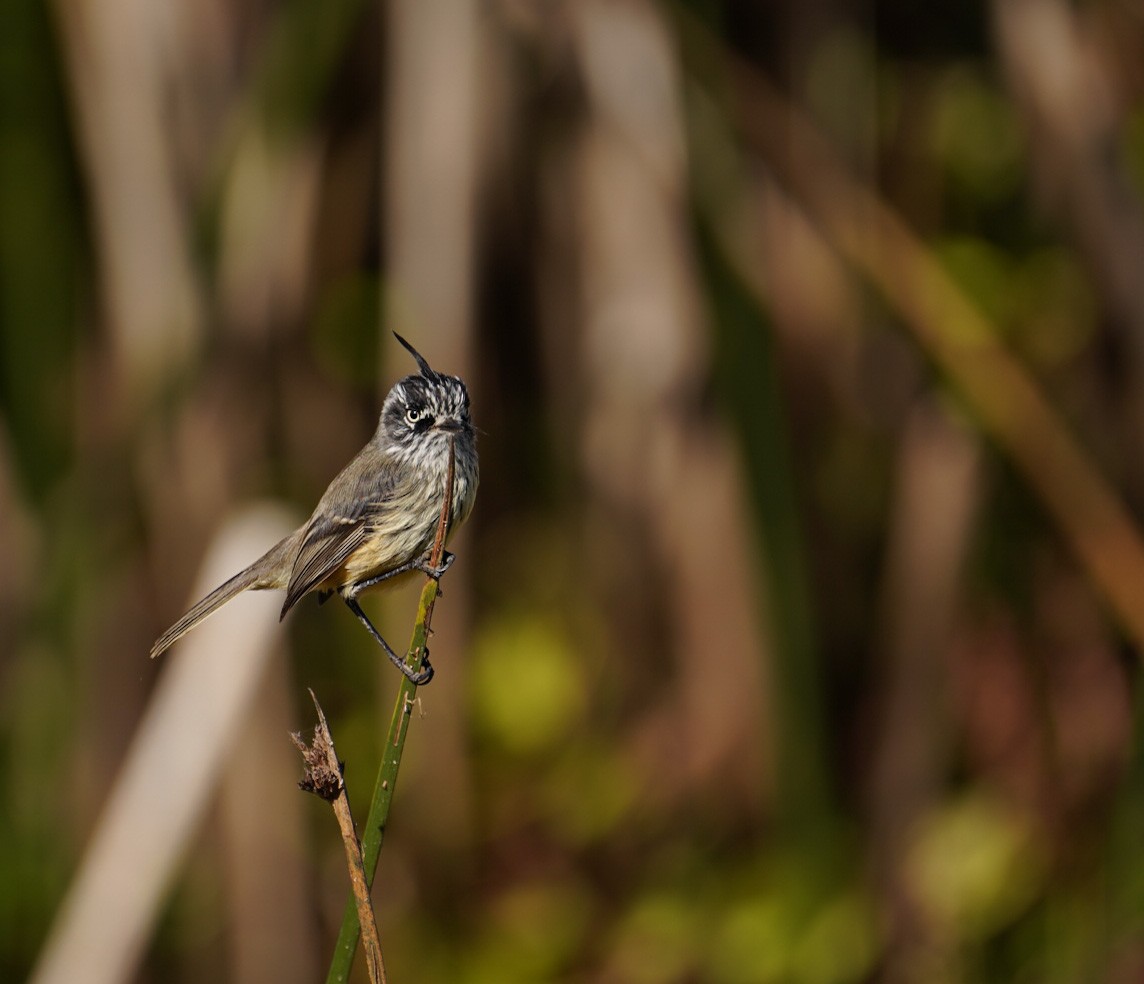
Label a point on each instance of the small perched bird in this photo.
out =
(377, 519)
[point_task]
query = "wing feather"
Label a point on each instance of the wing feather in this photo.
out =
(341, 523)
(325, 548)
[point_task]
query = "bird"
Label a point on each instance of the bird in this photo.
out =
(377, 519)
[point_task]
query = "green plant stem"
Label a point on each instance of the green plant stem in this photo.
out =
(374, 833)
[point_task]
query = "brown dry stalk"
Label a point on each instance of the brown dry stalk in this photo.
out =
(324, 779)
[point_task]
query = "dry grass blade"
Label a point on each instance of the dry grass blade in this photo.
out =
(324, 779)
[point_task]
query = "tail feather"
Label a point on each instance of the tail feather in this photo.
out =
(271, 570)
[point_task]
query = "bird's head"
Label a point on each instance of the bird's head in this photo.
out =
(422, 411)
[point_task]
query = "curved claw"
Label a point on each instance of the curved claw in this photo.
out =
(428, 569)
(421, 676)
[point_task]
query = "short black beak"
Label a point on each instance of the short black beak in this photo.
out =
(447, 424)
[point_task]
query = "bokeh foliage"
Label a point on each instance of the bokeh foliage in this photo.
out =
(761, 662)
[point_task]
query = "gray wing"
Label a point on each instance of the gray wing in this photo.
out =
(340, 524)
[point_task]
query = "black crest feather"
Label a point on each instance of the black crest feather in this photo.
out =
(426, 370)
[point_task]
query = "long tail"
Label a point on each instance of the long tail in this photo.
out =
(271, 570)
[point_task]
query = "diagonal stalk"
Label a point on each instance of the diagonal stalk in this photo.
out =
(374, 830)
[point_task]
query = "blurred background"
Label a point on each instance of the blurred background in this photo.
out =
(795, 635)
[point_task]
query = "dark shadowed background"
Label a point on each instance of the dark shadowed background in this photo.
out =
(795, 634)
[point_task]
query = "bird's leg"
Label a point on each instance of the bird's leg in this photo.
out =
(418, 677)
(420, 564)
